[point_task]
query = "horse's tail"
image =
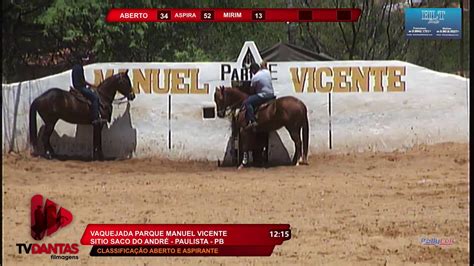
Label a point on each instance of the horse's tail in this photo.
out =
(33, 127)
(305, 136)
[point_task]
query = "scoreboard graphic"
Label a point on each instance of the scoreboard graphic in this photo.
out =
(234, 15)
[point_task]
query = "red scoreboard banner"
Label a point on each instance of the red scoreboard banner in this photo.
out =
(234, 15)
(184, 239)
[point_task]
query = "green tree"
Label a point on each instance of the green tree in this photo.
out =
(42, 37)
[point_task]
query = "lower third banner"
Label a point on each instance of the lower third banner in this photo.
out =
(184, 240)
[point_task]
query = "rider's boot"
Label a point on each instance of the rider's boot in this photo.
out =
(99, 121)
(96, 119)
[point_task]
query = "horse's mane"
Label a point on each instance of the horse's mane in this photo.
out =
(107, 81)
(236, 91)
(102, 88)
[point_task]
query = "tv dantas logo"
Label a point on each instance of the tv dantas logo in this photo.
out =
(45, 220)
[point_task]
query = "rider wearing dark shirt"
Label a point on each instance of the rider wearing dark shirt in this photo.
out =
(78, 79)
(79, 82)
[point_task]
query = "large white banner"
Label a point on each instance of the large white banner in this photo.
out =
(352, 105)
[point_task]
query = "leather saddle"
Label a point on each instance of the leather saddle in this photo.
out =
(261, 107)
(265, 104)
(105, 110)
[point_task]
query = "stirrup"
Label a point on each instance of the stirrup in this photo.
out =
(99, 121)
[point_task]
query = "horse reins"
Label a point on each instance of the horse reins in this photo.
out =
(120, 101)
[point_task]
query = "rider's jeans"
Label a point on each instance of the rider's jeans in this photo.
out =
(94, 101)
(252, 102)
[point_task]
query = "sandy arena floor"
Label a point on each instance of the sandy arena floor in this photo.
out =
(355, 209)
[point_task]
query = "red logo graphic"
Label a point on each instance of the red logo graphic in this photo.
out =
(47, 219)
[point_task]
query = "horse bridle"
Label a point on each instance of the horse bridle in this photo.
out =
(120, 100)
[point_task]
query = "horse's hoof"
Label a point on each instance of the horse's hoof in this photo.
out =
(49, 156)
(303, 163)
(241, 167)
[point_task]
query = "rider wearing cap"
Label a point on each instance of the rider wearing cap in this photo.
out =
(262, 83)
(79, 82)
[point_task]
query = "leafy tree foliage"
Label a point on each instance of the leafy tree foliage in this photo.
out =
(43, 37)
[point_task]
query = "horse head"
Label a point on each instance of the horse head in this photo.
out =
(228, 98)
(220, 100)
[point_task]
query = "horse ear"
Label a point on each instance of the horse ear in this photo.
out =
(126, 72)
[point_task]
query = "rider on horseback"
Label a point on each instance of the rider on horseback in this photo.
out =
(79, 82)
(262, 83)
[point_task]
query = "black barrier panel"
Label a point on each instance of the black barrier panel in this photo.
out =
(208, 112)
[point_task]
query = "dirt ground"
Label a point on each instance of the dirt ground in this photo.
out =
(353, 209)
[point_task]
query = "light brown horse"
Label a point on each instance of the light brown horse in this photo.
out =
(57, 104)
(288, 112)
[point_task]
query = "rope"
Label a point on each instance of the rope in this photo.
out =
(120, 101)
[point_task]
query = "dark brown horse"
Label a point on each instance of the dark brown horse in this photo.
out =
(288, 112)
(57, 104)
